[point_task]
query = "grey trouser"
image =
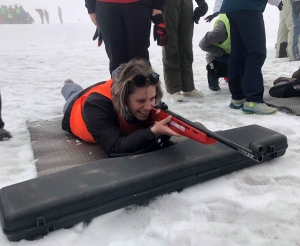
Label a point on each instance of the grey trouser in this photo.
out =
(178, 52)
(69, 91)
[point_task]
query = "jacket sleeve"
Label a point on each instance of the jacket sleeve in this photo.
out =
(158, 4)
(274, 2)
(218, 35)
(103, 124)
(91, 6)
(218, 4)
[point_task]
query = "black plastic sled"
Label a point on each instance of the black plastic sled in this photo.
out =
(38, 206)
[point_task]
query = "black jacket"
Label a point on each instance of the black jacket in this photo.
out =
(102, 122)
(154, 4)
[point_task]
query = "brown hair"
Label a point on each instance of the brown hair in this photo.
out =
(121, 87)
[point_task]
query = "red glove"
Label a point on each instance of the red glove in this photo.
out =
(159, 30)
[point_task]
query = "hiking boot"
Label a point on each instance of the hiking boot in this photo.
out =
(194, 93)
(237, 104)
(4, 135)
(258, 108)
(213, 82)
(177, 97)
(67, 81)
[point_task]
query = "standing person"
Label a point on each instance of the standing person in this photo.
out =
(218, 46)
(10, 15)
(178, 52)
(41, 13)
(18, 16)
(116, 114)
(125, 27)
(4, 134)
(60, 15)
(46, 15)
(288, 35)
(248, 40)
(3, 11)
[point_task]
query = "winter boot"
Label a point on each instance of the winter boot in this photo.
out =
(4, 135)
(213, 82)
(282, 50)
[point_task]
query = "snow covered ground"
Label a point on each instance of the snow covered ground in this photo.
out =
(256, 206)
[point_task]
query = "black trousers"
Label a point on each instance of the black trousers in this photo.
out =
(248, 53)
(125, 29)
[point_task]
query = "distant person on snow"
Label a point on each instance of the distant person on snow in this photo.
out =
(4, 134)
(41, 13)
(46, 15)
(60, 15)
(115, 113)
(125, 27)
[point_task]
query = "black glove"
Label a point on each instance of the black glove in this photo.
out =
(200, 11)
(159, 30)
(296, 7)
(99, 36)
(280, 6)
(210, 17)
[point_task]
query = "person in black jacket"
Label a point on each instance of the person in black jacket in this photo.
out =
(116, 114)
(125, 27)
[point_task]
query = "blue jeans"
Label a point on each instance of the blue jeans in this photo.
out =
(69, 91)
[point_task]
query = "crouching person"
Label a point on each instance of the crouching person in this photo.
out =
(217, 45)
(115, 114)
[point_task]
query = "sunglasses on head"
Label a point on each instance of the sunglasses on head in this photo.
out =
(140, 80)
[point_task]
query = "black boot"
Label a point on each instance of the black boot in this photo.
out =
(282, 50)
(4, 135)
(213, 82)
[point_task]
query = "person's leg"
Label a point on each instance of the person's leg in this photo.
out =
(111, 24)
(293, 25)
(282, 36)
(69, 91)
(137, 18)
(236, 61)
(185, 37)
(252, 31)
(171, 57)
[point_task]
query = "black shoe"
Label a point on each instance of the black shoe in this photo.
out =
(214, 88)
(4, 135)
(213, 82)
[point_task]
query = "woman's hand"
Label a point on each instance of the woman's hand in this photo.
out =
(161, 128)
(94, 19)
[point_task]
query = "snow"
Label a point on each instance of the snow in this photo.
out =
(255, 206)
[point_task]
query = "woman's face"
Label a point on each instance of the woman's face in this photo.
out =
(141, 102)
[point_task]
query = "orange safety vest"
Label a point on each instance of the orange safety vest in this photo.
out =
(77, 123)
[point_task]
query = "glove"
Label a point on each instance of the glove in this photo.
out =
(200, 11)
(280, 6)
(297, 7)
(159, 30)
(210, 17)
(99, 36)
